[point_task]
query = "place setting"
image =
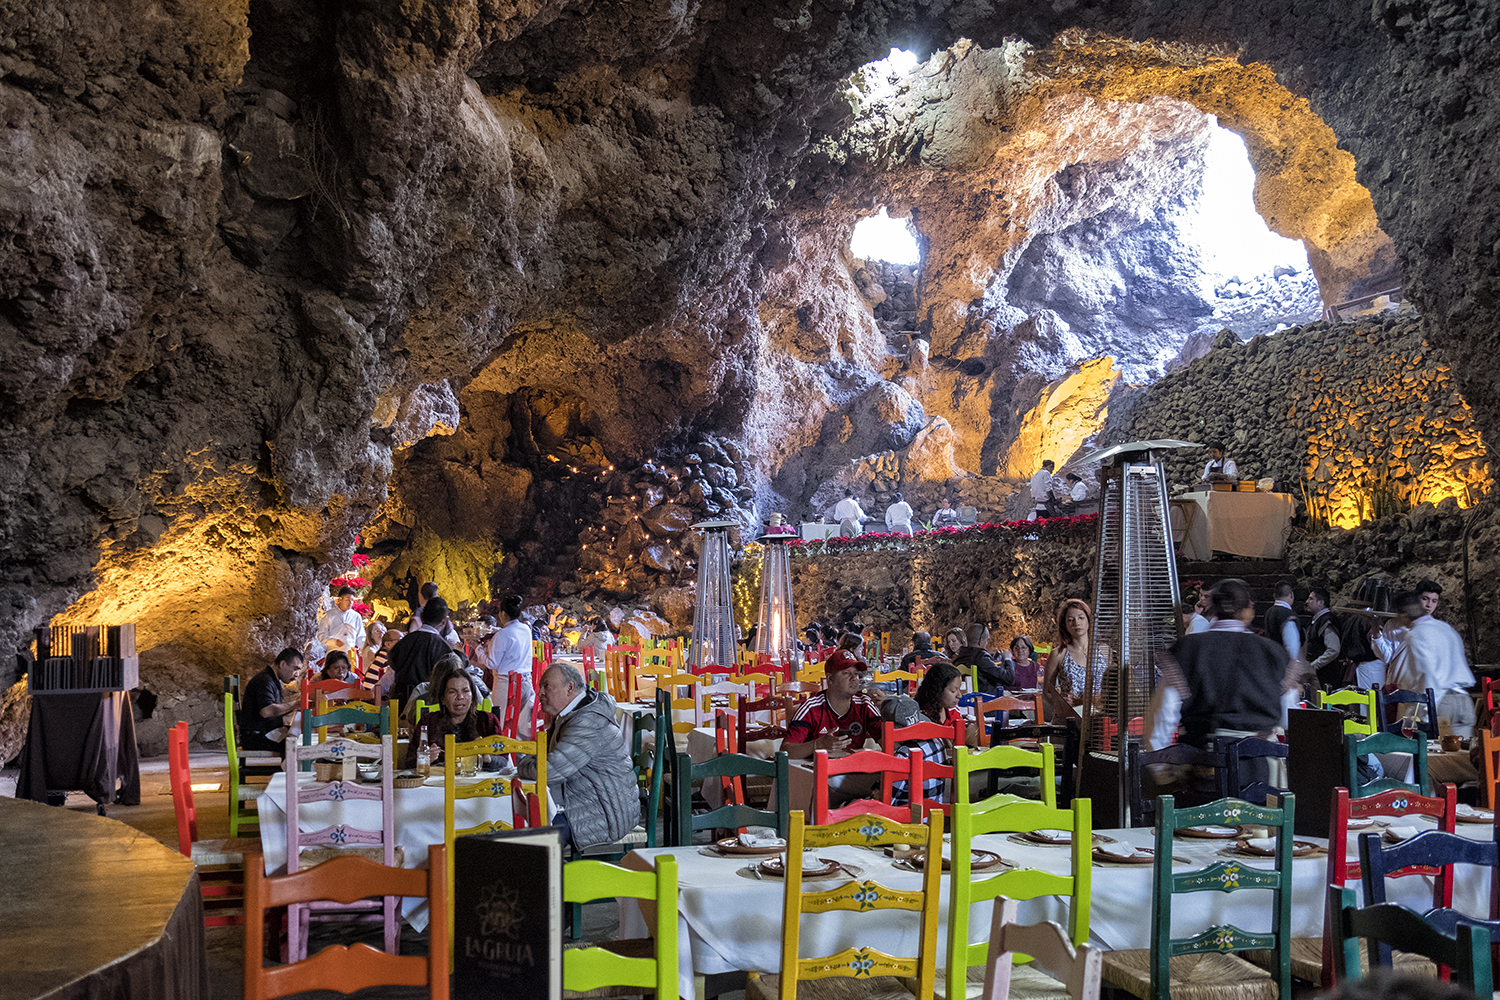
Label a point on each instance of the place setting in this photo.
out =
(908, 858)
(814, 868)
(1053, 838)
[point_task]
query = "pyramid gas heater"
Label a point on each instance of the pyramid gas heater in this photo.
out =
(1134, 616)
(713, 642)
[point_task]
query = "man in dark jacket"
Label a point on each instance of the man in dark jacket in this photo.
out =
(588, 766)
(993, 677)
(413, 658)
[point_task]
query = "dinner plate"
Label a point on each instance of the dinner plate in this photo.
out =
(1210, 832)
(775, 867)
(978, 860)
(1361, 823)
(1041, 837)
(1142, 856)
(1479, 816)
(732, 846)
(1300, 849)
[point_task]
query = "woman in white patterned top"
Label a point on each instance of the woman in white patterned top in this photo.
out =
(1066, 674)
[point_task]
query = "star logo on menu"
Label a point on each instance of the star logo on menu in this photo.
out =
(499, 911)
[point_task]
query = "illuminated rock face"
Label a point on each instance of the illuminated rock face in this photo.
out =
(255, 252)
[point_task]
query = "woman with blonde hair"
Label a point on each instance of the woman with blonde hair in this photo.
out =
(1066, 667)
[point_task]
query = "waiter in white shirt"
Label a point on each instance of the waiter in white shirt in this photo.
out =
(1041, 486)
(508, 651)
(898, 516)
(341, 627)
(1219, 465)
(1432, 656)
(850, 516)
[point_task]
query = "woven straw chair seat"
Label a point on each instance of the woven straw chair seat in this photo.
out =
(1027, 982)
(1194, 977)
(768, 987)
(1307, 960)
(317, 855)
(224, 852)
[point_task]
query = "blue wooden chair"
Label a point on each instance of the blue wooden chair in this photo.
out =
(1434, 849)
(1466, 951)
(1241, 784)
(1390, 711)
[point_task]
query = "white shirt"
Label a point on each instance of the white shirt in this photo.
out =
(510, 648)
(1225, 467)
(944, 516)
(1079, 491)
(898, 513)
(1041, 482)
(848, 509)
(1291, 634)
(1431, 657)
(1196, 624)
(447, 633)
(340, 629)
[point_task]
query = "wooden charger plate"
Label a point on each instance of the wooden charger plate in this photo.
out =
(1209, 832)
(774, 867)
(732, 845)
(1300, 849)
(1036, 837)
(978, 860)
(1143, 856)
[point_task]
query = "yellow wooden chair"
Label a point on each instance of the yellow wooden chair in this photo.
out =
(873, 969)
(1004, 757)
(1369, 699)
(911, 677)
(1007, 814)
(493, 787)
(688, 704)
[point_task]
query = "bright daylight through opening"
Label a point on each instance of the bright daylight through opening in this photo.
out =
(881, 237)
(1231, 234)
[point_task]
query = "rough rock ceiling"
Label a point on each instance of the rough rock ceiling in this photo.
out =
(253, 251)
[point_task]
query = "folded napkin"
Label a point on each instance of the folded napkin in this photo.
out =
(1365, 822)
(1470, 812)
(1261, 843)
(1396, 834)
(1121, 851)
(1217, 830)
(751, 840)
(1065, 836)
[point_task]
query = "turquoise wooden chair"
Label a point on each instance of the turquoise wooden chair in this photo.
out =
(730, 816)
(1357, 746)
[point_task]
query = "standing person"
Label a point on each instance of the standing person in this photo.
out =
(992, 677)
(850, 515)
(1066, 673)
(413, 658)
(1227, 682)
(340, 627)
(508, 651)
(1022, 660)
(898, 516)
(1219, 465)
(445, 628)
(1078, 490)
(1432, 656)
(1281, 622)
(588, 766)
(945, 515)
(1323, 643)
(1041, 489)
(267, 699)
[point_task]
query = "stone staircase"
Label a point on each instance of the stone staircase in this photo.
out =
(1261, 575)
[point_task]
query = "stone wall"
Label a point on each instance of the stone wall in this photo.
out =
(1354, 420)
(1011, 576)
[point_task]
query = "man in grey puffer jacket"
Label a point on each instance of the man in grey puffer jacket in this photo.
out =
(588, 768)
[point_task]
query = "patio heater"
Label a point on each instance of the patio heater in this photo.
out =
(776, 625)
(713, 642)
(1135, 594)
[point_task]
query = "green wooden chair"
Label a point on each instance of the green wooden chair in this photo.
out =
(730, 765)
(967, 763)
(647, 964)
(242, 794)
(1357, 746)
(1008, 814)
(1467, 953)
(1369, 700)
(1202, 967)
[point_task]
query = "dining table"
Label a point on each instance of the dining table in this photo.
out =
(729, 920)
(418, 819)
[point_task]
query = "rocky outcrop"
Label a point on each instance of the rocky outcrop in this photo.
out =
(260, 252)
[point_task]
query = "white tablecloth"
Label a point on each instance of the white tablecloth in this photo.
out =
(1243, 524)
(418, 820)
(814, 531)
(728, 922)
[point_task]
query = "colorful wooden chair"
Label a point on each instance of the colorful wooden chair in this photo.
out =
(648, 964)
(1390, 711)
(804, 977)
(338, 839)
(221, 863)
(242, 794)
(730, 815)
(1007, 814)
(1241, 784)
(997, 712)
(886, 768)
(1466, 951)
(1430, 850)
(967, 763)
(1143, 807)
(1078, 970)
(1367, 700)
(1203, 966)
(1357, 746)
(1489, 745)
(339, 967)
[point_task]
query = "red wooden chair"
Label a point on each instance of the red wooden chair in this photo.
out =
(747, 728)
(1341, 868)
(1109, 728)
(340, 967)
(725, 729)
(955, 731)
(884, 766)
(221, 863)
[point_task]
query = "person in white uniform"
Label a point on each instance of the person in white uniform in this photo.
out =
(1432, 656)
(340, 627)
(508, 651)
(849, 515)
(898, 516)
(1220, 465)
(1041, 488)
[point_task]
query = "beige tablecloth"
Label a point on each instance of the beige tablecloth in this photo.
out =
(1242, 524)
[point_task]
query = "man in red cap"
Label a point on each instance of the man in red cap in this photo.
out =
(841, 718)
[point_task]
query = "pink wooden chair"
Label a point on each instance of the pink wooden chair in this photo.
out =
(884, 766)
(340, 838)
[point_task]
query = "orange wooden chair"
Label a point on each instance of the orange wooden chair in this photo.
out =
(346, 968)
(1004, 703)
(884, 766)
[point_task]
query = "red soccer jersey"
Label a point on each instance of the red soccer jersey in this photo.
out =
(815, 718)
